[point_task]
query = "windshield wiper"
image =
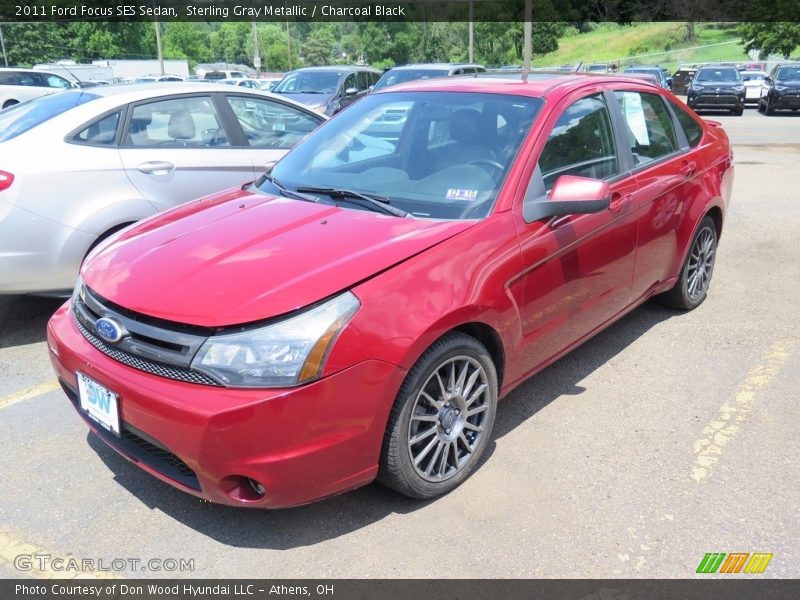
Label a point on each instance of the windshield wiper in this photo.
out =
(377, 203)
(284, 190)
(309, 92)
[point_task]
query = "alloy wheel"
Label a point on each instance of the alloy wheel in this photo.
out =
(448, 418)
(701, 263)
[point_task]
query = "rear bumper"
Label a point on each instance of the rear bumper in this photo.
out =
(302, 444)
(38, 254)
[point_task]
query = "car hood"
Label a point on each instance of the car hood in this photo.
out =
(239, 257)
(310, 99)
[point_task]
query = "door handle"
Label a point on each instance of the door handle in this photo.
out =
(618, 202)
(156, 167)
(688, 168)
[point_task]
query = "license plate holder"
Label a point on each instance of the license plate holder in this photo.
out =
(99, 403)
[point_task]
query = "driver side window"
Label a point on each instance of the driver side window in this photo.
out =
(581, 143)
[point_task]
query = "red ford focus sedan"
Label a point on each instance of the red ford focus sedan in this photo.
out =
(357, 312)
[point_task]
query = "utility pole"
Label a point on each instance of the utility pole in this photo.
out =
(158, 46)
(256, 51)
(3, 44)
(288, 44)
(471, 31)
(526, 47)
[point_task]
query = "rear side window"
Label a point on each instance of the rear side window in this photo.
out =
(581, 143)
(100, 133)
(177, 123)
(650, 131)
(693, 131)
(20, 118)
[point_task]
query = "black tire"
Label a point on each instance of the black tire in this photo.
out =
(738, 112)
(451, 425)
(682, 296)
(768, 109)
(760, 106)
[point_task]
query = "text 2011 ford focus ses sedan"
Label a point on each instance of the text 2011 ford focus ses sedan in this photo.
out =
(358, 311)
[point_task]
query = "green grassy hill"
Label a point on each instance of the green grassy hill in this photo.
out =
(661, 43)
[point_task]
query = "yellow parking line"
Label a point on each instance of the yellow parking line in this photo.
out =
(32, 561)
(32, 392)
(726, 425)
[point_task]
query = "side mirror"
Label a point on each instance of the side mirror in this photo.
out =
(669, 83)
(571, 195)
(351, 91)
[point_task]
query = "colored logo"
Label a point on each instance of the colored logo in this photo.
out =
(109, 329)
(735, 562)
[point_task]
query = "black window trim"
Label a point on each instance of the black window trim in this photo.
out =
(70, 138)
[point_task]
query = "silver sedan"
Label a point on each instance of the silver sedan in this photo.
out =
(76, 167)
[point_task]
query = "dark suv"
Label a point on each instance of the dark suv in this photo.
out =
(328, 89)
(782, 89)
(717, 87)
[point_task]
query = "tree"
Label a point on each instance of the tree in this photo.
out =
(183, 40)
(771, 38)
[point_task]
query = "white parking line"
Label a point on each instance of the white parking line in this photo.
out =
(727, 424)
(27, 394)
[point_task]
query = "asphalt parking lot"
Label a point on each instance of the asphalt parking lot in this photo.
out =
(665, 437)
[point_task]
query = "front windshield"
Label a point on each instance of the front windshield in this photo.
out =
(788, 74)
(712, 75)
(19, 118)
(753, 76)
(396, 76)
(309, 82)
(437, 155)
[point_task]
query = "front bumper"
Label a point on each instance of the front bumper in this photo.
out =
(786, 100)
(301, 444)
(714, 100)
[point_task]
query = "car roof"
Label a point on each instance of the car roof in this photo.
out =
(134, 92)
(539, 83)
(444, 65)
(23, 70)
(340, 68)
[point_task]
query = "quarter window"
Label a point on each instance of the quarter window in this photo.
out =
(651, 134)
(100, 132)
(581, 143)
(693, 131)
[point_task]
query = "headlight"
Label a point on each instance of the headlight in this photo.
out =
(738, 88)
(697, 88)
(281, 354)
(781, 88)
(77, 291)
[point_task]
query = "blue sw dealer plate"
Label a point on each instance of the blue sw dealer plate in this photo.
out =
(99, 403)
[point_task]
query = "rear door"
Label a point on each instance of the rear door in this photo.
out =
(666, 166)
(178, 148)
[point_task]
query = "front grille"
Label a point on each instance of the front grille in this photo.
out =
(140, 447)
(708, 99)
(143, 364)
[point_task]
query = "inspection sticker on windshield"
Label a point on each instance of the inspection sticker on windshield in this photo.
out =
(459, 194)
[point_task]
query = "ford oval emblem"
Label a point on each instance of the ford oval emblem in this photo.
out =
(109, 329)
